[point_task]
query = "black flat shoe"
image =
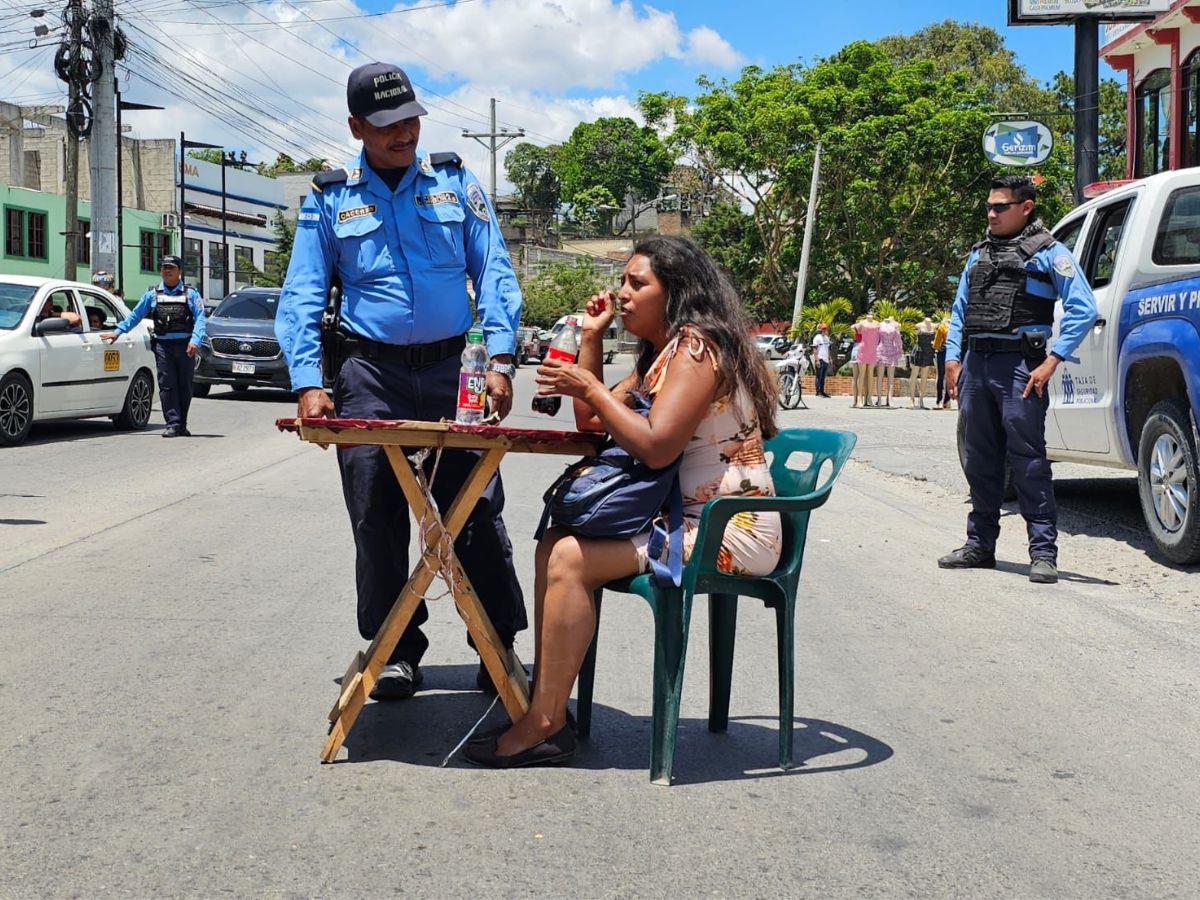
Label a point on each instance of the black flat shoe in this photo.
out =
(557, 748)
(491, 734)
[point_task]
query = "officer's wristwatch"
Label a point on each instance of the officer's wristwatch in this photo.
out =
(508, 370)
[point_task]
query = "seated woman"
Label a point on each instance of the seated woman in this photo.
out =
(713, 401)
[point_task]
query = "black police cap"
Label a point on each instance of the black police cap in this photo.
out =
(382, 94)
(171, 261)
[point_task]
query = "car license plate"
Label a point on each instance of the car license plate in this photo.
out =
(241, 368)
(112, 360)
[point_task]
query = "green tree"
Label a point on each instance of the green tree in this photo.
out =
(1112, 155)
(592, 210)
(730, 237)
(208, 155)
(902, 180)
(558, 290)
(614, 153)
(285, 165)
(530, 169)
(285, 235)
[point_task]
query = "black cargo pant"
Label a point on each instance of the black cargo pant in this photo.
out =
(175, 373)
(379, 515)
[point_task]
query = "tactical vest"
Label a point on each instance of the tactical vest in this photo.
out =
(172, 314)
(998, 298)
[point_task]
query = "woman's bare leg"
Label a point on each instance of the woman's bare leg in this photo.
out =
(573, 568)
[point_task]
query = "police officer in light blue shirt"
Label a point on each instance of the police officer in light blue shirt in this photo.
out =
(998, 367)
(400, 231)
(178, 315)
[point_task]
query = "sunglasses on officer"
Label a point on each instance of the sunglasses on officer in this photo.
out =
(1000, 207)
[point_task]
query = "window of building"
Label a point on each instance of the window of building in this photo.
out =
(269, 259)
(1191, 111)
(193, 263)
(243, 262)
(33, 169)
(154, 246)
(216, 262)
(1178, 240)
(24, 233)
(1154, 123)
(83, 243)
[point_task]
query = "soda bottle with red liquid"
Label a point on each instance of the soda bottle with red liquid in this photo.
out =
(564, 347)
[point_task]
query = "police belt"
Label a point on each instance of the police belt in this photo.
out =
(1030, 343)
(408, 354)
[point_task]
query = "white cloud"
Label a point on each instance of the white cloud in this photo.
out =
(706, 46)
(535, 56)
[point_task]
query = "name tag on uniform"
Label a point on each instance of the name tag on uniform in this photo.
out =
(356, 212)
(437, 199)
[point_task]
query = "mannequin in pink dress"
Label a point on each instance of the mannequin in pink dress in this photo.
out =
(891, 348)
(868, 355)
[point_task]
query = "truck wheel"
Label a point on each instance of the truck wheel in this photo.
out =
(1169, 481)
(1010, 486)
(138, 400)
(16, 409)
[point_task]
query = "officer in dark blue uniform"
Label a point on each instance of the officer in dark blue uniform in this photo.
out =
(401, 231)
(1003, 317)
(178, 315)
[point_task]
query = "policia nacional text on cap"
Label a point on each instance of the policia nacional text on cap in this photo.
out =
(401, 230)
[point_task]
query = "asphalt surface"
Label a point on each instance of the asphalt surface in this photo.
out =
(175, 614)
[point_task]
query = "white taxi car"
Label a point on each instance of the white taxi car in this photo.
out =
(51, 369)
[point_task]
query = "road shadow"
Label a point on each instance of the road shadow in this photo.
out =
(1105, 508)
(22, 521)
(1022, 569)
(422, 730)
(68, 430)
(273, 395)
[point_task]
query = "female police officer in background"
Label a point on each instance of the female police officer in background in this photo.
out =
(178, 315)
(402, 230)
(1003, 318)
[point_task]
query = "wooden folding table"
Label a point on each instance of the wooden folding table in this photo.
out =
(438, 534)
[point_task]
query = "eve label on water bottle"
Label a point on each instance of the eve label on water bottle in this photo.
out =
(472, 387)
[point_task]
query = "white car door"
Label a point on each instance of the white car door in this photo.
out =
(67, 363)
(113, 364)
(1083, 395)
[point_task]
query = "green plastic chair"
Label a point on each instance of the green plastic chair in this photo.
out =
(797, 494)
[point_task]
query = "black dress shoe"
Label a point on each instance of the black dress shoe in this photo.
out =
(399, 681)
(557, 748)
(969, 556)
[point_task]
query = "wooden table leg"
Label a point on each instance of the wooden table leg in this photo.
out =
(365, 668)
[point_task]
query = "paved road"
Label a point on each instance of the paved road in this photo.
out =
(174, 615)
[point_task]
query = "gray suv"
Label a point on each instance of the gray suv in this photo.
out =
(239, 347)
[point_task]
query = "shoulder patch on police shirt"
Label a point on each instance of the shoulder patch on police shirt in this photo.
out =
(333, 176)
(1064, 265)
(477, 202)
(437, 198)
(308, 218)
(355, 212)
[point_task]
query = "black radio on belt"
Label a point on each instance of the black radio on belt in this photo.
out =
(333, 339)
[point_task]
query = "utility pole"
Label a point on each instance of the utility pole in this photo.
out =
(104, 142)
(71, 230)
(1087, 103)
(492, 144)
(810, 225)
(122, 105)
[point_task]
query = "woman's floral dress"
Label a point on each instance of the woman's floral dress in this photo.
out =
(724, 458)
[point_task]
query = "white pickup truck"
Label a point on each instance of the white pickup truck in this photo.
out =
(1131, 397)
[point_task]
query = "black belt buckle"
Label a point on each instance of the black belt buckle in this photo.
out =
(1033, 344)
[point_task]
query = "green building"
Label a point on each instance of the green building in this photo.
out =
(31, 235)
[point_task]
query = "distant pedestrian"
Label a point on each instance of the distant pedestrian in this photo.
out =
(820, 357)
(1004, 314)
(178, 315)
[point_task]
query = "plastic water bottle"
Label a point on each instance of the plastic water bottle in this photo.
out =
(472, 380)
(565, 347)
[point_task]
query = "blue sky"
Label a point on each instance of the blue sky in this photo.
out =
(775, 31)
